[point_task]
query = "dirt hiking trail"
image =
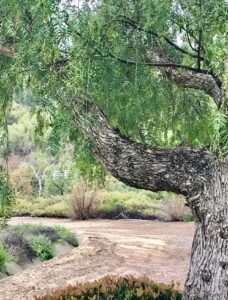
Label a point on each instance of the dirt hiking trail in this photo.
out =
(156, 249)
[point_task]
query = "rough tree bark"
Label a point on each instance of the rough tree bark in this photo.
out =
(207, 83)
(195, 173)
(208, 274)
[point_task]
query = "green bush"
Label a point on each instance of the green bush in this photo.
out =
(48, 232)
(55, 234)
(4, 258)
(56, 210)
(130, 204)
(42, 207)
(127, 203)
(23, 243)
(32, 229)
(121, 288)
(22, 207)
(43, 247)
(66, 235)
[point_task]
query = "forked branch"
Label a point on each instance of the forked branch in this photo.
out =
(189, 78)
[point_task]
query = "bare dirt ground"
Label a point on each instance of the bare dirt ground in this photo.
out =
(156, 249)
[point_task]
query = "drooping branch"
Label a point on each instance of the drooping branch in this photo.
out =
(193, 77)
(183, 75)
(190, 78)
(181, 170)
(161, 64)
(136, 25)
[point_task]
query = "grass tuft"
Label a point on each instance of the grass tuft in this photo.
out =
(66, 235)
(43, 247)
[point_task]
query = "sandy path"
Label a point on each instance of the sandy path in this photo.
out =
(159, 250)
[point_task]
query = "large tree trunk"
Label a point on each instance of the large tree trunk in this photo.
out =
(195, 173)
(208, 274)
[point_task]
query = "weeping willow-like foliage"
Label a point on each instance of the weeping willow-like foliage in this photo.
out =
(89, 46)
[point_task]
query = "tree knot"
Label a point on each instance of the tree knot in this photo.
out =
(206, 275)
(224, 264)
(224, 232)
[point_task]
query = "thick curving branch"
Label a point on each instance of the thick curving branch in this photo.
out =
(181, 170)
(188, 78)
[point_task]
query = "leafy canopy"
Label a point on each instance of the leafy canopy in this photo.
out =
(61, 47)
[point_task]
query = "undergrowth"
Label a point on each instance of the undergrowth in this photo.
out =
(66, 235)
(43, 247)
(26, 242)
(117, 288)
(84, 204)
(4, 258)
(17, 246)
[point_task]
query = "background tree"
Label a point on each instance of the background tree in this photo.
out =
(129, 74)
(34, 158)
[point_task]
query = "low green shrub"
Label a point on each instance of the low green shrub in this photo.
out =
(128, 204)
(66, 235)
(25, 229)
(56, 210)
(42, 207)
(22, 207)
(4, 258)
(48, 232)
(119, 288)
(23, 243)
(43, 247)
(55, 233)
(32, 229)
(114, 185)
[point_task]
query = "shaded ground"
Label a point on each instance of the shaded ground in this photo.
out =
(159, 250)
